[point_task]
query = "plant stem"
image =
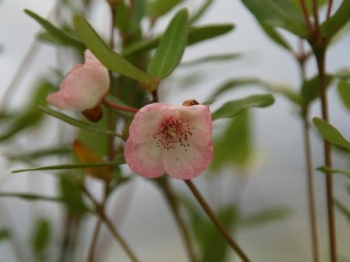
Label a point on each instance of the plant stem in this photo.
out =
(97, 226)
(306, 17)
(208, 210)
(100, 212)
(310, 189)
(329, 9)
(320, 55)
(173, 204)
(120, 107)
(310, 192)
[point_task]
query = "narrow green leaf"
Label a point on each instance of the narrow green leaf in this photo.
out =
(201, 11)
(195, 35)
(202, 33)
(344, 93)
(275, 36)
(35, 197)
(330, 133)
(110, 59)
(230, 151)
(72, 193)
(116, 162)
(56, 33)
(77, 123)
(171, 47)
(212, 58)
(4, 234)
(279, 13)
(41, 236)
(342, 208)
(343, 74)
(277, 88)
(265, 216)
(331, 26)
(159, 8)
(310, 88)
(233, 108)
(328, 170)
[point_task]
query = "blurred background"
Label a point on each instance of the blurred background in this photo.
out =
(276, 177)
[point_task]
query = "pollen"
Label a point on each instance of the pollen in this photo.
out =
(172, 133)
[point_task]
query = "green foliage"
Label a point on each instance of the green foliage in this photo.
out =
(107, 56)
(330, 27)
(171, 47)
(195, 35)
(55, 34)
(213, 58)
(343, 88)
(328, 170)
(275, 36)
(234, 146)
(201, 11)
(72, 193)
(5, 234)
(342, 209)
(41, 237)
(267, 215)
(159, 8)
(233, 108)
(330, 133)
(310, 89)
(278, 13)
(77, 123)
(116, 162)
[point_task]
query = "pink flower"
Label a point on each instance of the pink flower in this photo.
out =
(176, 140)
(83, 87)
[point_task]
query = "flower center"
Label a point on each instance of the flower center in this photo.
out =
(173, 132)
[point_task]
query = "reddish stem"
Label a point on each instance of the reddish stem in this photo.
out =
(120, 107)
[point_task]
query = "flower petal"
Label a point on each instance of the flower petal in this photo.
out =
(83, 87)
(187, 164)
(144, 159)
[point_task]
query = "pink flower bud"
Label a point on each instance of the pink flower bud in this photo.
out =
(83, 87)
(176, 140)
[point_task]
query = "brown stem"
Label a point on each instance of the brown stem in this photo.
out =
(320, 55)
(97, 227)
(329, 9)
(310, 190)
(120, 107)
(306, 17)
(100, 212)
(208, 210)
(316, 16)
(173, 204)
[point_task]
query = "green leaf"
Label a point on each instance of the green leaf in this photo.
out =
(56, 33)
(310, 88)
(77, 123)
(108, 58)
(122, 17)
(275, 36)
(230, 151)
(159, 8)
(4, 234)
(309, 4)
(342, 209)
(343, 74)
(72, 193)
(171, 47)
(195, 35)
(265, 216)
(201, 11)
(330, 133)
(35, 197)
(328, 170)
(41, 236)
(212, 58)
(331, 26)
(278, 13)
(233, 108)
(278, 88)
(344, 93)
(116, 162)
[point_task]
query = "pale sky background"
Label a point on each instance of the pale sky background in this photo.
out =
(279, 180)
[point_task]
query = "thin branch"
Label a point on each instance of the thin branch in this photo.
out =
(173, 204)
(329, 9)
(216, 221)
(316, 15)
(306, 17)
(120, 107)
